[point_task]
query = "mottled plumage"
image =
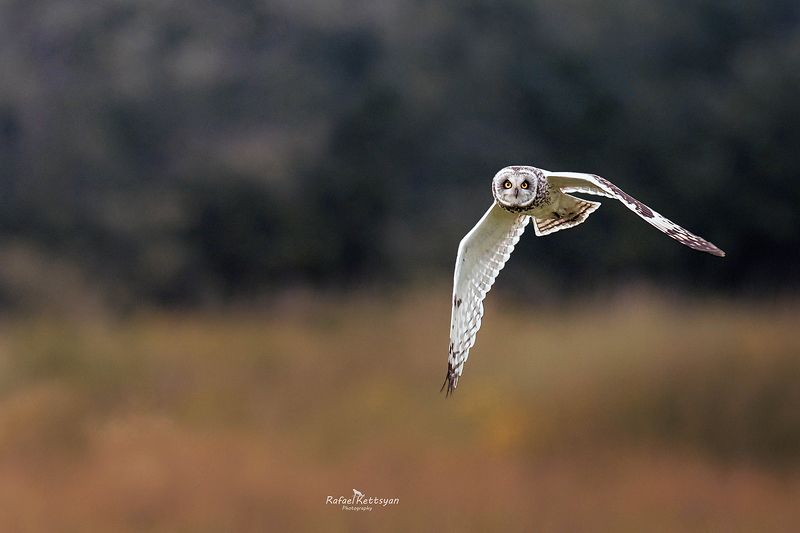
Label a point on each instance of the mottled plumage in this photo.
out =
(522, 193)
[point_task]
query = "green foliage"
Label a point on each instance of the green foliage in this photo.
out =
(180, 152)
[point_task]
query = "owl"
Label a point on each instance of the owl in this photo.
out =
(522, 194)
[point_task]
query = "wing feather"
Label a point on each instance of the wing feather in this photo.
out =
(593, 184)
(482, 254)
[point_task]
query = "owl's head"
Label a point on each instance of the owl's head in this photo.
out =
(515, 187)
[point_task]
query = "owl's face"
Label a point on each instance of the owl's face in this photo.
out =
(515, 188)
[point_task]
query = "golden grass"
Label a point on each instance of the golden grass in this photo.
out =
(629, 414)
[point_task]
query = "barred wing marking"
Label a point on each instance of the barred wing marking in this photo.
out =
(592, 184)
(483, 252)
(578, 210)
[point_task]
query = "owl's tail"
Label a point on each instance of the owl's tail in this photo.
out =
(569, 211)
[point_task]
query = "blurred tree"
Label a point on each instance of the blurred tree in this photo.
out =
(175, 153)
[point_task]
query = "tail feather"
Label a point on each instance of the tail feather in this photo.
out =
(570, 211)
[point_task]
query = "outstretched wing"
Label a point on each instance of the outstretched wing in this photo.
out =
(592, 184)
(483, 252)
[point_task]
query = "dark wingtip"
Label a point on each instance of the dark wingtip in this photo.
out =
(713, 250)
(450, 381)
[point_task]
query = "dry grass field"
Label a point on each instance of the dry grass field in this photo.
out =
(637, 413)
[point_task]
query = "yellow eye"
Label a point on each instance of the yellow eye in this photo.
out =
(507, 184)
(524, 184)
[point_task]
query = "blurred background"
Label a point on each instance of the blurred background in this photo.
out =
(227, 234)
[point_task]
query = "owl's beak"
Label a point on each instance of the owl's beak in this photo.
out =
(516, 193)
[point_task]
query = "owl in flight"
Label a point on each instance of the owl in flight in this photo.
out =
(522, 194)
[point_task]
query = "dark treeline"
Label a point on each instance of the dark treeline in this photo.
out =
(181, 152)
